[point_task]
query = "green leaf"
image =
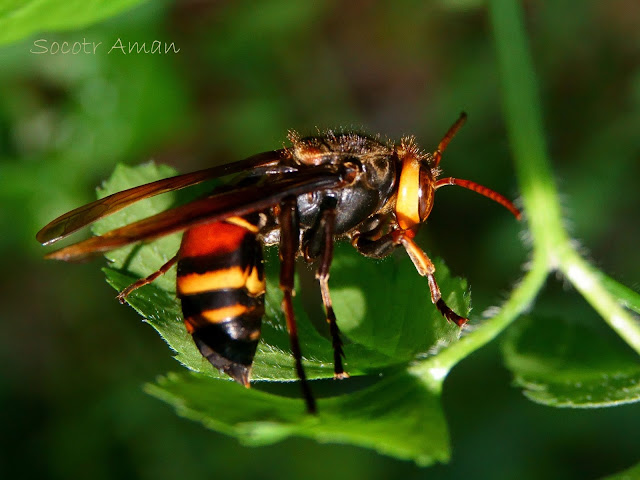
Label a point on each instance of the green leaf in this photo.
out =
(396, 416)
(570, 365)
(386, 316)
(21, 18)
(624, 294)
(632, 473)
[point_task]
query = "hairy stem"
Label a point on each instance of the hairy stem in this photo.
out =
(552, 247)
(588, 281)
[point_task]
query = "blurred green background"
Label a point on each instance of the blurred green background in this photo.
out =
(73, 360)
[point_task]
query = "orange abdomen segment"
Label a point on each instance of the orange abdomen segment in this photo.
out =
(221, 286)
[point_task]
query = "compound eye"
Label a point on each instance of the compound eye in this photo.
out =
(425, 193)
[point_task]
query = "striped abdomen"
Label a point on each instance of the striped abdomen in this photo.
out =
(221, 285)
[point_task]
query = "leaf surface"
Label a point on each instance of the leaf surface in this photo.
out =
(21, 18)
(387, 319)
(571, 365)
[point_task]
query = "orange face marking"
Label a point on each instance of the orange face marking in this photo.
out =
(407, 203)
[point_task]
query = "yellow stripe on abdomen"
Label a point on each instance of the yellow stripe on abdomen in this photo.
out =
(255, 282)
(233, 277)
(226, 313)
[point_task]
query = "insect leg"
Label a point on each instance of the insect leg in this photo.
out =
(374, 242)
(425, 267)
(289, 240)
(122, 296)
(328, 227)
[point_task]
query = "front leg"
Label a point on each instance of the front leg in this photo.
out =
(425, 267)
(372, 245)
(372, 240)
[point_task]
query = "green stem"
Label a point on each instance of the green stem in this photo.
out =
(525, 128)
(628, 297)
(539, 194)
(552, 247)
(433, 370)
(588, 281)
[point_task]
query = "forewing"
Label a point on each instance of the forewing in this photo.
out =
(238, 201)
(82, 216)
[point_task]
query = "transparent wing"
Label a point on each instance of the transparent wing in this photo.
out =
(82, 216)
(238, 201)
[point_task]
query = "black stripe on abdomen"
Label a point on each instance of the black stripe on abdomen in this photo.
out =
(230, 346)
(221, 285)
(194, 305)
(234, 339)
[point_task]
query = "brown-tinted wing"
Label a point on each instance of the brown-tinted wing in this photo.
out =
(214, 208)
(82, 216)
